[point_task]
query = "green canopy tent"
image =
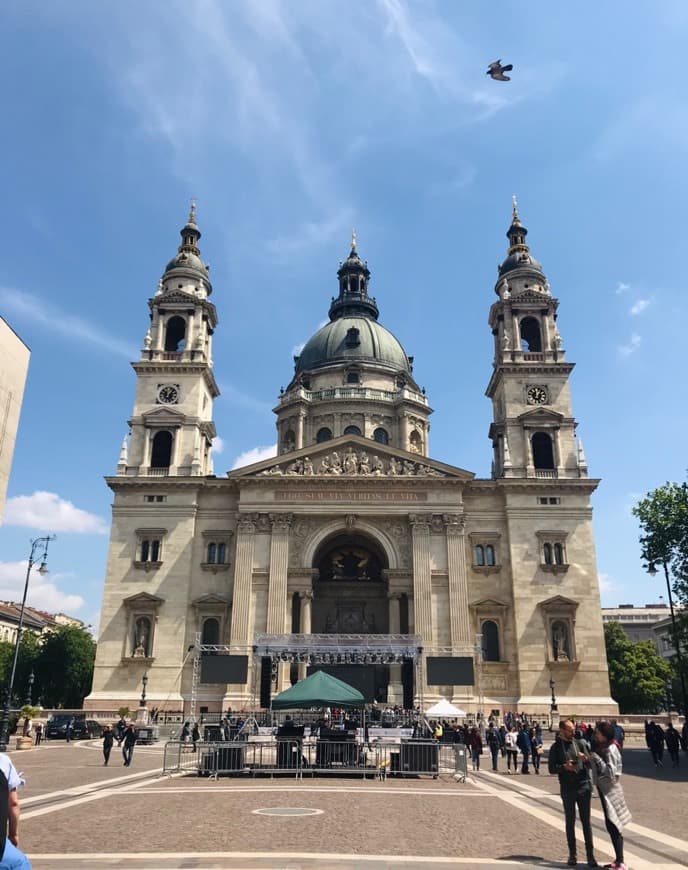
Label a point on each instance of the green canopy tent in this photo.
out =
(318, 690)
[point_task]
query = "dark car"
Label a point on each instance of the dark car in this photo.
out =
(56, 729)
(86, 729)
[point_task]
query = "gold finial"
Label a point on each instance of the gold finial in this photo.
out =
(514, 207)
(192, 211)
(353, 240)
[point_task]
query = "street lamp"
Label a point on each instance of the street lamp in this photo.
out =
(553, 704)
(29, 690)
(39, 553)
(652, 571)
(144, 682)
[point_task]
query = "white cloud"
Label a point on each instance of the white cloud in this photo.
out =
(48, 512)
(309, 234)
(607, 583)
(256, 454)
(29, 308)
(43, 592)
(632, 346)
(639, 306)
(622, 287)
(218, 445)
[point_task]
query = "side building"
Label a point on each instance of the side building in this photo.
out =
(354, 550)
(15, 365)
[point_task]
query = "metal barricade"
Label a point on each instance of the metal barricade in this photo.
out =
(179, 757)
(338, 756)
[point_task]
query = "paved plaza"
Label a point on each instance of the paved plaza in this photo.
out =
(78, 814)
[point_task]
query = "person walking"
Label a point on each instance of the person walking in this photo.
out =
(10, 856)
(511, 749)
(526, 747)
(536, 750)
(654, 737)
(493, 742)
(195, 735)
(475, 743)
(68, 732)
(128, 744)
(569, 758)
(673, 743)
(606, 771)
(38, 731)
(108, 740)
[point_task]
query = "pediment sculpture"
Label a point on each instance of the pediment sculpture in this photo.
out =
(353, 463)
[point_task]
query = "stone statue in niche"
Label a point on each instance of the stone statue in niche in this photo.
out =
(560, 641)
(141, 637)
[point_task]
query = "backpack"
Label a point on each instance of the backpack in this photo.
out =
(554, 757)
(4, 810)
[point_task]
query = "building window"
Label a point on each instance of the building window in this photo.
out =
(531, 339)
(485, 556)
(543, 451)
(154, 498)
(381, 436)
(211, 631)
(161, 452)
(216, 553)
(352, 430)
(151, 550)
(324, 434)
(490, 632)
(175, 334)
(548, 499)
(353, 378)
(480, 555)
(288, 442)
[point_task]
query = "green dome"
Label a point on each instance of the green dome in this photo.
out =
(186, 260)
(353, 339)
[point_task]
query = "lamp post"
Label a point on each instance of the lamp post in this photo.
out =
(652, 571)
(144, 683)
(39, 553)
(29, 691)
(553, 703)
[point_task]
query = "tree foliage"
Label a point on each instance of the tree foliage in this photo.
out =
(637, 673)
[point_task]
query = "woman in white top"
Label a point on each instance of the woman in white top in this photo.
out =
(10, 780)
(606, 771)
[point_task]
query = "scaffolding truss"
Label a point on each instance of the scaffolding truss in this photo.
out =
(339, 648)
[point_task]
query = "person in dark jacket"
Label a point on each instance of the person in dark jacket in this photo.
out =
(526, 747)
(195, 735)
(673, 743)
(570, 760)
(108, 740)
(654, 737)
(493, 740)
(475, 743)
(536, 747)
(128, 744)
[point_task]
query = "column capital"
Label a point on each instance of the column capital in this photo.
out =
(455, 524)
(394, 596)
(247, 524)
(281, 522)
(420, 523)
(306, 594)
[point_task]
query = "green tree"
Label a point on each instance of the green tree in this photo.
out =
(64, 668)
(663, 516)
(637, 673)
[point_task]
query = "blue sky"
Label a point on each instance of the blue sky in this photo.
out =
(291, 123)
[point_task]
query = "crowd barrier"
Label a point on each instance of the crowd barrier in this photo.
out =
(377, 759)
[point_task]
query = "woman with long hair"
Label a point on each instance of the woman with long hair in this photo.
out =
(606, 770)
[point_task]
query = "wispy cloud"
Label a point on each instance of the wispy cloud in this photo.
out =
(255, 454)
(218, 445)
(32, 309)
(632, 346)
(639, 306)
(622, 287)
(48, 512)
(43, 593)
(311, 234)
(236, 397)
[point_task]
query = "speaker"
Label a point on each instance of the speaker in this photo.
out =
(265, 682)
(407, 683)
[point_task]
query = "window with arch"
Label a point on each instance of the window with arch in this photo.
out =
(543, 451)
(323, 434)
(381, 436)
(216, 553)
(531, 336)
(479, 553)
(288, 442)
(553, 551)
(485, 550)
(211, 631)
(490, 632)
(149, 548)
(415, 442)
(161, 449)
(215, 556)
(352, 430)
(175, 334)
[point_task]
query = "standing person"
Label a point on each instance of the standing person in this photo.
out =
(511, 749)
(654, 736)
(121, 728)
(128, 744)
(569, 758)
(195, 735)
(38, 731)
(673, 743)
(526, 747)
(475, 743)
(494, 742)
(684, 735)
(536, 744)
(185, 735)
(108, 740)
(68, 732)
(606, 769)
(11, 858)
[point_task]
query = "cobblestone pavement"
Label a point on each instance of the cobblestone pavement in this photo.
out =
(78, 814)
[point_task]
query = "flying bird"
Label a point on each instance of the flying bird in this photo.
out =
(496, 71)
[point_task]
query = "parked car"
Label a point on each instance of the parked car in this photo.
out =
(56, 729)
(86, 729)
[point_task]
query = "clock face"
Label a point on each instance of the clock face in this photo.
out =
(168, 394)
(536, 395)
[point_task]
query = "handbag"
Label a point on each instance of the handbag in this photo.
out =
(538, 749)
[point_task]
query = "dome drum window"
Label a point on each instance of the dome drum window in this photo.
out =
(353, 337)
(323, 434)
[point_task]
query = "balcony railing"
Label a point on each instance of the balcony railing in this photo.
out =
(357, 393)
(533, 357)
(547, 473)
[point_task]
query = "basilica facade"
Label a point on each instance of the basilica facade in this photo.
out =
(353, 533)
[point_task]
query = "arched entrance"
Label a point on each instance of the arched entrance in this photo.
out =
(350, 597)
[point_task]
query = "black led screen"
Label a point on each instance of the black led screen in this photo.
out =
(224, 669)
(450, 671)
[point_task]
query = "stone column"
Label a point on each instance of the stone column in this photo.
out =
(422, 579)
(459, 616)
(306, 604)
(299, 430)
(277, 582)
(243, 581)
(395, 690)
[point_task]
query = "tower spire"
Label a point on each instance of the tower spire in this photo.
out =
(353, 296)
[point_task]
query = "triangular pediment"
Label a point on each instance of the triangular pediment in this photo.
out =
(163, 416)
(531, 295)
(173, 297)
(143, 598)
(540, 415)
(351, 456)
(210, 600)
(488, 604)
(557, 602)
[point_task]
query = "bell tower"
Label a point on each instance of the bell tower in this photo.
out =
(171, 428)
(533, 429)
